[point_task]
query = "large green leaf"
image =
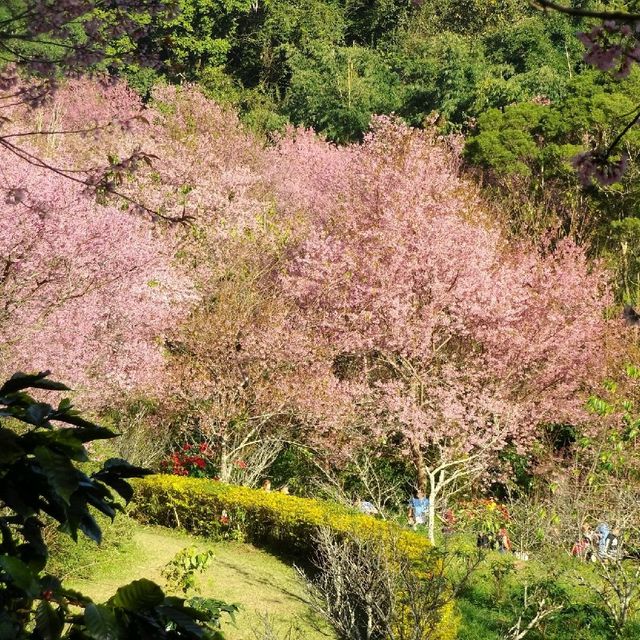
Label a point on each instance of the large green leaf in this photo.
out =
(116, 469)
(121, 486)
(21, 575)
(71, 417)
(38, 414)
(62, 440)
(108, 507)
(7, 627)
(88, 525)
(49, 621)
(10, 449)
(34, 550)
(19, 381)
(100, 622)
(94, 432)
(183, 620)
(138, 595)
(61, 474)
(124, 469)
(75, 597)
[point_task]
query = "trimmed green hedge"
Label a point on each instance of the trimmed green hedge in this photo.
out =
(215, 509)
(262, 517)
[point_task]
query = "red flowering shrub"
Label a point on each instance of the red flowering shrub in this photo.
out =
(192, 460)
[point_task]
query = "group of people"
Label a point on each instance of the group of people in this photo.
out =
(496, 541)
(601, 543)
(416, 514)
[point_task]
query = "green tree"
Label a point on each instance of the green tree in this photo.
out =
(471, 17)
(443, 74)
(370, 21)
(534, 143)
(338, 89)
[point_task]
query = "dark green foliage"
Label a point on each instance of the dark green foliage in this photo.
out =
(469, 16)
(41, 448)
(369, 21)
(337, 89)
(198, 36)
(536, 42)
(540, 138)
(331, 64)
(269, 37)
(294, 467)
(531, 145)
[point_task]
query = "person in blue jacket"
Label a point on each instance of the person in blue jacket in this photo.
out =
(603, 532)
(418, 507)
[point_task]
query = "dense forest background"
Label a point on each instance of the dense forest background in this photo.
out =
(289, 136)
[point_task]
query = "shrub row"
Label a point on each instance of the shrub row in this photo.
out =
(215, 509)
(287, 523)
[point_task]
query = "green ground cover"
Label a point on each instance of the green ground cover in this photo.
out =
(494, 599)
(264, 585)
(258, 582)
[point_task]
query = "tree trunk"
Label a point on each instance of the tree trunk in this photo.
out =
(432, 513)
(225, 471)
(421, 470)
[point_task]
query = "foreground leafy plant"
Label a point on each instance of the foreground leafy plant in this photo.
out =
(40, 446)
(180, 576)
(180, 572)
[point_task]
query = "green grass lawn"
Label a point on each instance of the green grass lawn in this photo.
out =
(494, 599)
(258, 582)
(262, 584)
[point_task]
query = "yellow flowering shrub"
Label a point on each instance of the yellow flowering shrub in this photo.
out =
(214, 509)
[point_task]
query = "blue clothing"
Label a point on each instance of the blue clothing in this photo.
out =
(603, 531)
(367, 507)
(419, 506)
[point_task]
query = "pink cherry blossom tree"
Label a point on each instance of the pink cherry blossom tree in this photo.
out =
(85, 289)
(110, 283)
(142, 277)
(453, 342)
(44, 41)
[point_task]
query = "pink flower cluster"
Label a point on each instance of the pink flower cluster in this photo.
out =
(86, 289)
(596, 166)
(612, 46)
